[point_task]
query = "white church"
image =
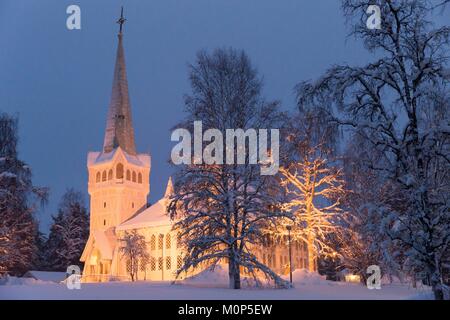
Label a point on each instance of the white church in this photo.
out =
(119, 186)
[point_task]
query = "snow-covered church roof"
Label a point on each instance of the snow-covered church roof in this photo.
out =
(141, 159)
(155, 215)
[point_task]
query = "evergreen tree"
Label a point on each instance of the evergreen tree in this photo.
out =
(18, 195)
(68, 233)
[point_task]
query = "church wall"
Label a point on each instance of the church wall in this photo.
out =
(165, 254)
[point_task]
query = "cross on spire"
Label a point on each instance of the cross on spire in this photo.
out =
(121, 20)
(119, 128)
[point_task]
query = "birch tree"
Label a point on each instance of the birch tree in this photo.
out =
(315, 191)
(399, 104)
(222, 208)
(134, 250)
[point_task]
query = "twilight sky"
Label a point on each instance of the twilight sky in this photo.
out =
(59, 81)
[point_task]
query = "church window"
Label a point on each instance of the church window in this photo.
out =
(104, 176)
(152, 264)
(160, 263)
(134, 176)
(128, 175)
(153, 242)
(160, 241)
(119, 171)
(132, 205)
(179, 240)
(179, 262)
(110, 174)
(168, 263)
(97, 177)
(104, 222)
(140, 177)
(168, 242)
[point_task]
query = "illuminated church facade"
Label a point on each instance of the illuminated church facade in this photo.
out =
(118, 185)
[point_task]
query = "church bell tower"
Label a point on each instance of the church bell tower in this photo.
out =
(118, 176)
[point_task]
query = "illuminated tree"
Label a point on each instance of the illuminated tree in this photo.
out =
(134, 249)
(314, 191)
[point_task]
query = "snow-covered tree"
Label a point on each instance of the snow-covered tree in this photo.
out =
(400, 105)
(18, 227)
(360, 244)
(313, 184)
(134, 250)
(68, 233)
(222, 208)
(314, 190)
(40, 259)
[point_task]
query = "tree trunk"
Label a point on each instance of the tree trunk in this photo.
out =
(234, 272)
(436, 284)
(311, 253)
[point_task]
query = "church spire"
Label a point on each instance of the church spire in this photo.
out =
(119, 127)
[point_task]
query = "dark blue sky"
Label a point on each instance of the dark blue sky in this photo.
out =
(59, 81)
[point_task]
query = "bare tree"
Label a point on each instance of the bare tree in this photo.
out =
(315, 192)
(400, 105)
(313, 184)
(134, 249)
(222, 208)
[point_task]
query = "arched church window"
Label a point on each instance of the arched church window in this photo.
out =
(140, 177)
(134, 176)
(128, 175)
(104, 176)
(153, 242)
(119, 171)
(160, 241)
(168, 263)
(160, 263)
(110, 174)
(97, 177)
(168, 242)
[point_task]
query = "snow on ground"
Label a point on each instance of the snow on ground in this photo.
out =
(205, 286)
